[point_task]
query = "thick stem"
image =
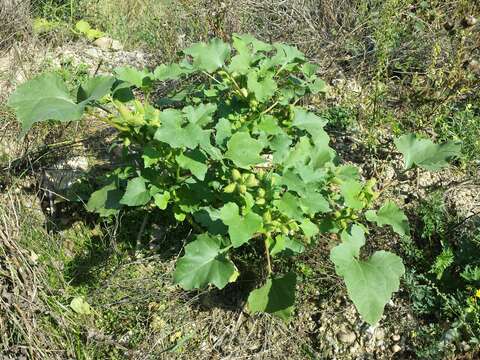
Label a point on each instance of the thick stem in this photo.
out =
(270, 108)
(267, 255)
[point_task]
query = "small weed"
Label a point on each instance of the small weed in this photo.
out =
(442, 280)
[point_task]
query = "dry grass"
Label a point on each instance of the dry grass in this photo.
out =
(24, 287)
(138, 312)
(14, 24)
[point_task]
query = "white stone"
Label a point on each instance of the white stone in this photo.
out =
(117, 45)
(396, 348)
(347, 337)
(64, 174)
(104, 43)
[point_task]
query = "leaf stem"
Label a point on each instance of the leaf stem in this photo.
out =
(267, 255)
(193, 224)
(270, 108)
(239, 89)
(96, 104)
(211, 77)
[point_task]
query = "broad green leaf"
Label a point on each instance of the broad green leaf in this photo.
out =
(170, 72)
(312, 123)
(246, 41)
(201, 114)
(244, 150)
(241, 62)
(318, 86)
(390, 214)
(292, 246)
(309, 228)
(264, 88)
(346, 173)
(313, 203)
(289, 206)
(280, 145)
(276, 245)
(424, 153)
(122, 91)
(206, 145)
(370, 283)
(327, 225)
(299, 154)
(105, 201)
(172, 132)
(284, 245)
(208, 57)
(161, 200)
(294, 183)
(139, 78)
(312, 172)
(210, 218)
(151, 155)
(223, 130)
(276, 297)
(82, 26)
(285, 55)
(45, 97)
(179, 215)
(351, 191)
(93, 34)
(80, 306)
(94, 89)
(269, 125)
(309, 69)
(194, 161)
(136, 193)
(204, 263)
(240, 228)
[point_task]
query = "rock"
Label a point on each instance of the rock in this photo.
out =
(64, 173)
(93, 53)
(104, 43)
(469, 20)
(379, 334)
(474, 66)
(354, 349)
(347, 337)
(396, 348)
(465, 347)
(117, 45)
(396, 337)
(464, 200)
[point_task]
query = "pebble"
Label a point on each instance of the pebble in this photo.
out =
(465, 347)
(396, 348)
(92, 52)
(347, 337)
(104, 43)
(469, 20)
(379, 334)
(116, 45)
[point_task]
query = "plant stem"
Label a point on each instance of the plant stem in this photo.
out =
(211, 77)
(232, 79)
(270, 108)
(267, 254)
(193, 224)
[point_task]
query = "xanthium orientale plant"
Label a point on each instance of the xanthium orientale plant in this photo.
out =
(232, 153)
